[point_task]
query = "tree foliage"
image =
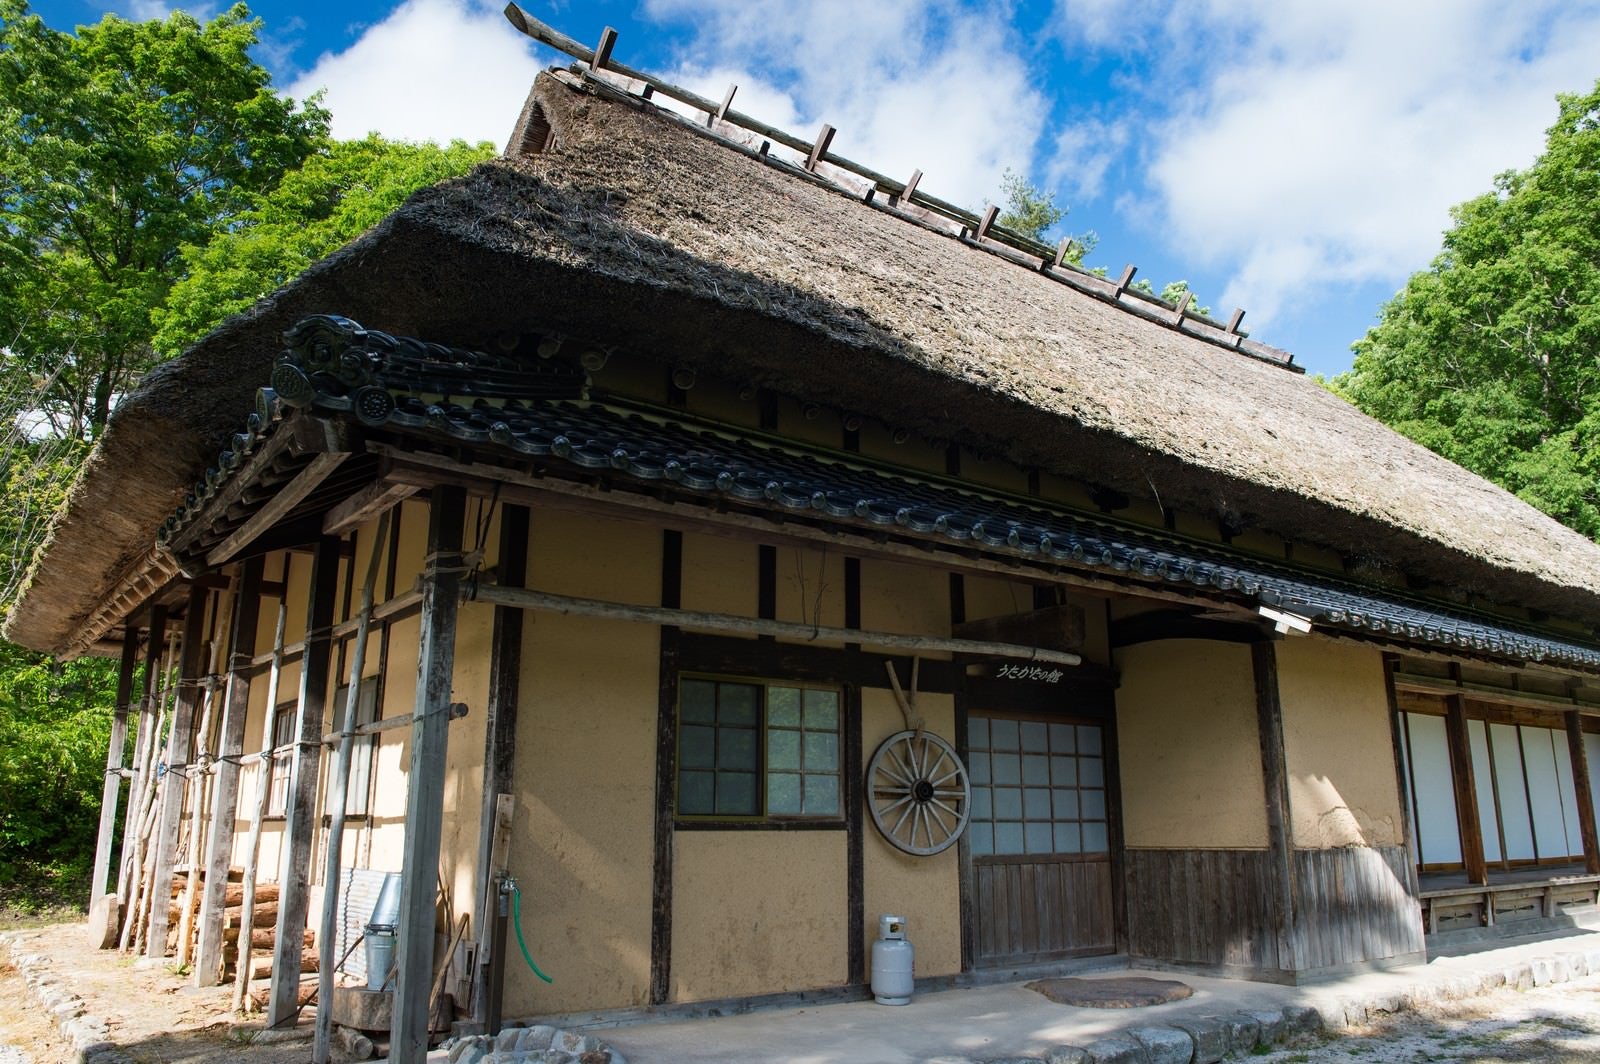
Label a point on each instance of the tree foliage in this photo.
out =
(1032, 212)
(1489, 356)
(339, 193)
(119, 145)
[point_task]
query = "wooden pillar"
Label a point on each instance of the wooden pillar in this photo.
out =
(115, 750)
(190, 689)
(500, 736)
(300, 819)
(441, 597)
(1583, 792)
(155, 646)
(1391, 663)
(1455, 726)
(225, 789)
(666, 773)
(1275, 781)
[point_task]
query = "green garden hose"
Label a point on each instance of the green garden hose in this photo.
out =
(516, 922)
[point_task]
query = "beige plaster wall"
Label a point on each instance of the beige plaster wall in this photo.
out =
(924, 890)
(719, 575)
(1188, 749)
(758, 912)
(583, 838)
(904, 598)
(1337, 745)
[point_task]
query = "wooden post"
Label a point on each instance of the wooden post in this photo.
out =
(300, 815)
(338, 784)
(252, 848)
(1391, 663)
(155, 645)
(225, 797)
(666, 772)
(1455, 726)
(111, 791)
(200, 776)
(171, 784)
(1275, 781)
(500, 736)
(441, 596)
(1583, 792)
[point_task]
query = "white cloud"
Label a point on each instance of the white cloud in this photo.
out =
(914, 84)
(433, 70)
(1325, 143)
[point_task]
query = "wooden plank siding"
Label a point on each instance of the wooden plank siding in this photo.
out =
(1212, 907)
(1042, 908)
(1354, 906)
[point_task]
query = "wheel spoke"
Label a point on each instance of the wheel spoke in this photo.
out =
(909, 762)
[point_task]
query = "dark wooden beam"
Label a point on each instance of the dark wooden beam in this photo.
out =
(1466, 792)
(666, 773)
(1153, 625)
(855, 891)
(1275, 783)
(116, 750)
(300, 820)
(225, 787)
(365, 505)
(441, 597)
(279, 506)
(1583, 791)
(172, 781)
(500, 735)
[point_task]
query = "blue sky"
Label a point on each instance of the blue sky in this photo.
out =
(1294, 158)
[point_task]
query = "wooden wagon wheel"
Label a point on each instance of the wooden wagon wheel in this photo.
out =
(918, 793)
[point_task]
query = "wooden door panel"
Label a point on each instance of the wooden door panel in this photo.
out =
(1038, 908)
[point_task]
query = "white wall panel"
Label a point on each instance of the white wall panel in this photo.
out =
(1513, 795)
(1439, 839)
(1544, 791)
(1483, 782)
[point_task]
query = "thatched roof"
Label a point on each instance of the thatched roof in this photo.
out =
(640, 231)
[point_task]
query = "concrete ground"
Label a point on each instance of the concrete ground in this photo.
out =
(1010, 1021)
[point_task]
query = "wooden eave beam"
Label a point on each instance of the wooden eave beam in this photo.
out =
(278, 507)
(297, 436)
(365, 505)
(425, 470)
(1481, 692)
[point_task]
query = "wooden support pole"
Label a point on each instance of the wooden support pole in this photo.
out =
(300, 819)
(155, 645)
(820, 147)
(1275, 782)
(171, 784)
(500, 736)
(441, 596)
(116, 750)
(199, 777)
(1391, 663)
(338, 785)
(1466, 791)
(1583, 791)
(723, 622)
(252, 848)
(225, 792)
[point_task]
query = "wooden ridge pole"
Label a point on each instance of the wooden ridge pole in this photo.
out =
(171, 801)
(300, 819)
(225, 791)
(322, 1047)
(252, 847)
(116, 750)
(441, 596)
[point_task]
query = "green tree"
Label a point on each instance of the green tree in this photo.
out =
(1489, 356)
(1172, 292)
(119, 145)
(338, 194)
(1032, 212)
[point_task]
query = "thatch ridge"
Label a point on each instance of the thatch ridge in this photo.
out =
(636, 231)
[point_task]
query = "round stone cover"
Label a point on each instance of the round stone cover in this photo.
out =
(1120, 992)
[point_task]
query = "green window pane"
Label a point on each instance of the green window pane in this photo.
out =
(783, 707)
(822, 795)
(822, 752)
(738, 704)
(822, 710)
(698, 701)
(783, 749)
(736, 749)
(783, 793)
(736, 794)
(697, 746)
(695, 790)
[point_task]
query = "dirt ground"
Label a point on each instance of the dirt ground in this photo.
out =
(154, 1016)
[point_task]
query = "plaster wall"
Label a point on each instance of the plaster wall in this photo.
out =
(1337, 745)
(758, 912)
(583, 835)
(1188, 749)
